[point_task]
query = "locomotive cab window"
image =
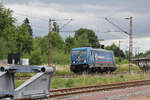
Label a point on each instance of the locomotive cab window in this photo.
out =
(79, 52)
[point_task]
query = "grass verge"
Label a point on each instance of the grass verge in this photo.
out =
(86, 80)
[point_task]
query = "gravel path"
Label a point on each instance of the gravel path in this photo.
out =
(134, 93)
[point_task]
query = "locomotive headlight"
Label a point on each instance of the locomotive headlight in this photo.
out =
(84, 60)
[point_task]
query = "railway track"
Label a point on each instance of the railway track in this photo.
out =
(79, 90)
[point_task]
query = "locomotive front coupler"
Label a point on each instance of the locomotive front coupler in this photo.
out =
(37, 86)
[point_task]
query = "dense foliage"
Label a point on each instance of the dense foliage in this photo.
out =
(90, 37)
(116, 50)
(146, 54)
(13, 39)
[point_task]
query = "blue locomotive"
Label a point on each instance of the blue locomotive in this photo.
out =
(87, 59)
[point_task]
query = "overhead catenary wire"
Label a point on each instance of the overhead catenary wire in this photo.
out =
(116, 26)
(43, 19)
(39, 28)
(65, 24)
(30, 16)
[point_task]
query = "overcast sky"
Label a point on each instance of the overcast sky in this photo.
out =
(87, 14)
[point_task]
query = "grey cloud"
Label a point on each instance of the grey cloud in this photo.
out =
(94, 10)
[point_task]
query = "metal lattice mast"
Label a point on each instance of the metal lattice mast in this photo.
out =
(130, 44)
(119, 55)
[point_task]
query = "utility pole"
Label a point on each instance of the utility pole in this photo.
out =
(49, 42)
(130, 44)
(119, 55)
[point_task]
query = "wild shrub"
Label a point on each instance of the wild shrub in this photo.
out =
(35, 58)
(69, 83)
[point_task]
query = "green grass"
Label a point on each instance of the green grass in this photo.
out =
(63, 70)
(125, 68)
(86, 80)
(24, 74)
(18, 82)
(58, 73)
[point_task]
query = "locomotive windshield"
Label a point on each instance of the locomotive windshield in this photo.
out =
(79, 52)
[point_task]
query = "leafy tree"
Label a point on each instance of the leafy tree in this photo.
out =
(3, 49)
(140, 55)
(127, 54)
(8, 32)
(92, 38)
(43, 44)
(24, 40)
(18, 39)
(145, 54)
(6, 19)
(36, 58)
(70, 43)
(36, 42)
(57, 41)
(116, 50)
(55, 27)
(11, 32)
(82, 41)
(27, 22)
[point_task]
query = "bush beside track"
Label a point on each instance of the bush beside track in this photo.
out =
(125, 68)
